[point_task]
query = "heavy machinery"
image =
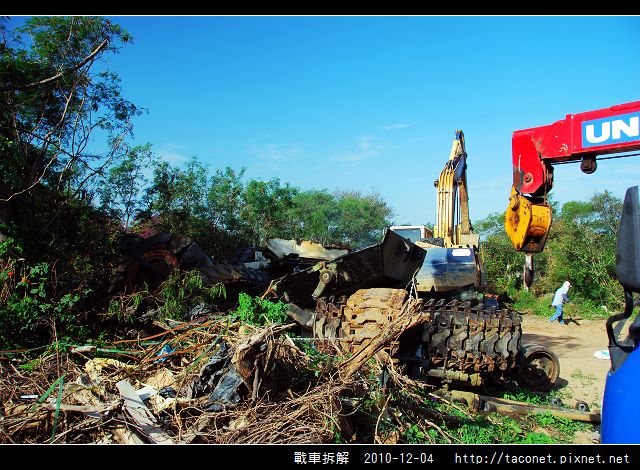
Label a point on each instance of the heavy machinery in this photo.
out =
(462, 340)
(583, 137)
(579, 137)
(354, 298)
(351, 298)
(453, 265)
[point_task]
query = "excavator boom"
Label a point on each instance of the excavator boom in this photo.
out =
(453, 263)
(452, 219)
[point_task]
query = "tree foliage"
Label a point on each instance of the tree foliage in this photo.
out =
(55, 94)
(315, 216)
(226, 210)
(121, 190)
(583, 248)
(502, 262)
(265, 209)
(52, 100)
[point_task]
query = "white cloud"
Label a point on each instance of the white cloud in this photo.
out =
(172, 153)
(367, 148)
(275, 152)
(393, 127)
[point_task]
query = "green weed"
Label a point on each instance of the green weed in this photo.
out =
(413, 435)
(318, 360)
(584, 377)
(29, 306)
(181, 291)
(540, 305)
(537, 438)
(563, 429)
(525, 396)
(492, 428)
(259, 312)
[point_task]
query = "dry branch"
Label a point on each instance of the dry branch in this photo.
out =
(409, 316)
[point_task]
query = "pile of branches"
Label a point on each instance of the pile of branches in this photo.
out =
(210, 381)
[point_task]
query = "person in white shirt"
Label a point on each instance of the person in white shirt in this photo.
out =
(558, 301)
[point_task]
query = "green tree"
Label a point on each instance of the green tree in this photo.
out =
(121, 191)
(315, 216)
(265, 208)
(191, 189)
(176, 201)
(226, 211)
(55, 93)
(224, 197)
(503, 264)
(583, 248)
(361, 218)
(53, 96)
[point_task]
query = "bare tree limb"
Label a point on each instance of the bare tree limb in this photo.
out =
(116, 146)
(35, 183)
(57, 76)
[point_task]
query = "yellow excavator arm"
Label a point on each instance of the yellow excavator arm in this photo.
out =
(452, 211)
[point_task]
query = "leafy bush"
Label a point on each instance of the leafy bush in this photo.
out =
(526, 301)
(175, 297)
(29, 311)
(413, 435)
(181, 291)
(257, 311)
(537, 438)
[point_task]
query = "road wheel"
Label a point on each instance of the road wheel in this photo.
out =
(539, 368)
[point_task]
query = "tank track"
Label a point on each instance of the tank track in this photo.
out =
(470, 338)
(459, 336)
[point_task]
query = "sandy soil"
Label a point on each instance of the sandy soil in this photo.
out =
(582, 376)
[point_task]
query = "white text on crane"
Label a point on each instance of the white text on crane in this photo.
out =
(611, 130)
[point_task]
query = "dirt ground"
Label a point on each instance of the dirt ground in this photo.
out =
(582, 376)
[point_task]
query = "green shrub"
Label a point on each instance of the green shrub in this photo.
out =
(413, 435)
(257, 311)
(29, 309)
(526, 301)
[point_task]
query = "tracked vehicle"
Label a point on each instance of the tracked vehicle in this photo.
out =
(463, 339)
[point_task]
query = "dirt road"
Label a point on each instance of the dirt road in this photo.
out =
(582, 376)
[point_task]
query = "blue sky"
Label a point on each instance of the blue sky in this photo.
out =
(372, 103)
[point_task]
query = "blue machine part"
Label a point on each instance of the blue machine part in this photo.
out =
(621, 404)
(447, 269)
